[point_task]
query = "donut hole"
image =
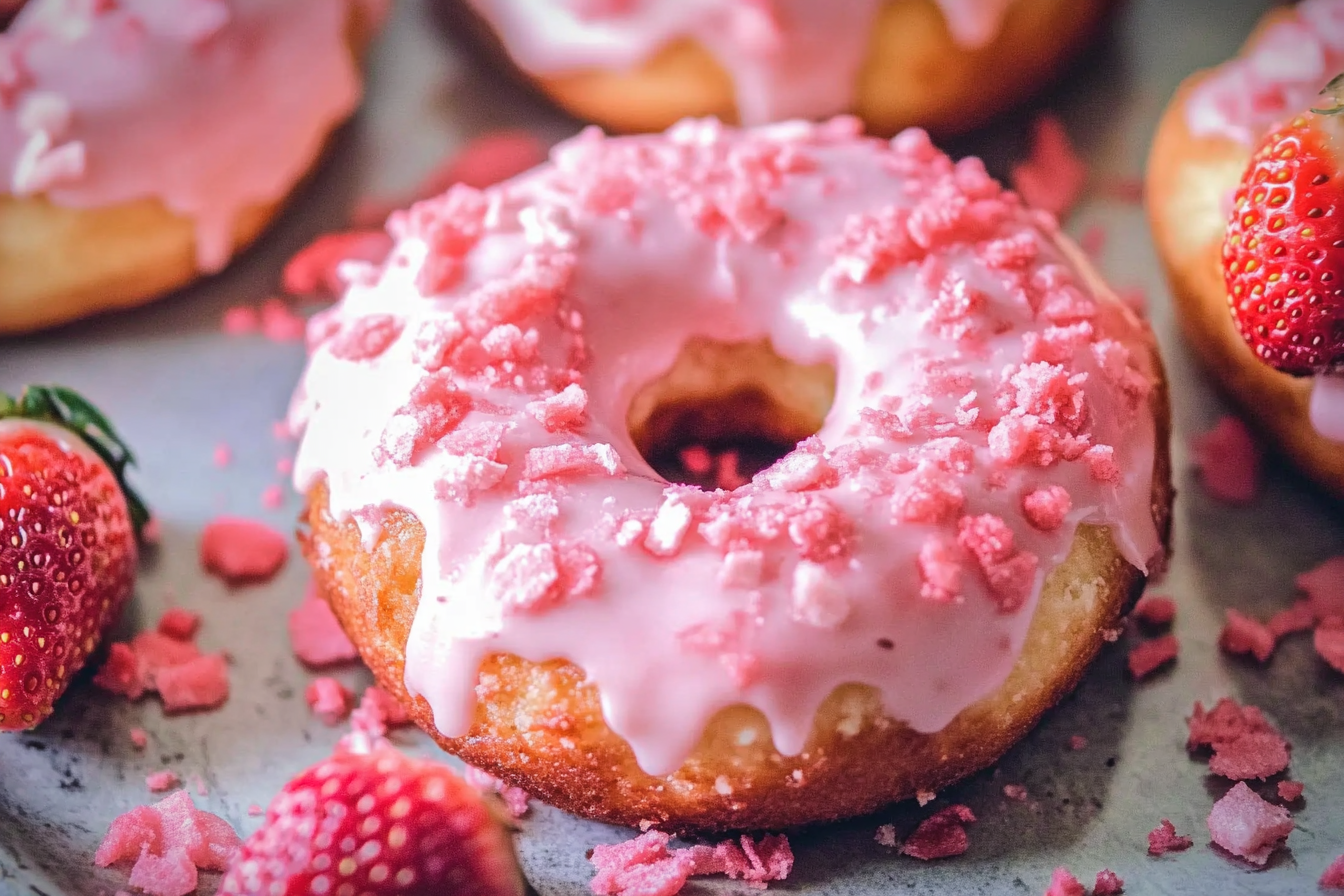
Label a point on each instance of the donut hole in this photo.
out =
(725, 411)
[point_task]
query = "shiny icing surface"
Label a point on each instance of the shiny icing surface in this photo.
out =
(787, 58)
(1244, 97)
(175, 100)
(990, 398)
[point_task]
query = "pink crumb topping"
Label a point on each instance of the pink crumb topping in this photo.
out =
(1333, 877)
(645, 866)
(515, 798)
(223, 455)
(1328, 642)
(1228, 459)
(272, 497)
(1046, 508)
(1015, 792)
(1108, 883)
(1324, 587)
(886, 835)
(171, 874)
(139, 739)
(1245, 745)
(329, 700)
(201, 683)
(941, 835)
(1298, 618)
(1164, 839)
(160, 781)
(240, 320)
(1226, 722)
(1243, 634)
(1290, 791)
(241, 550)
(315, 269)
(1077, 742)
(1053, 176)
(316, 635)
(1146, 658)
(1155, 610)
(179, 623)
(169, 841)
(1245, 825)
(1063, 883)
(175, 667)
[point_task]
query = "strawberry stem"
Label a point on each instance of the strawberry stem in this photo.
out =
(68, 409)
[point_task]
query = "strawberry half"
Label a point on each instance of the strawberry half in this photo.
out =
(378, 823)
(1283, 256)
(68, 526)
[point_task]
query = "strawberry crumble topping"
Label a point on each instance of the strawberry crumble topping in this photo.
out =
(1063, 883)
(241, 551)
(645, 866)
(1242, 634)
(1245, 825)
(1333, 876)
(169, 841)
(1146, 658)
(316, 635)
(1164, 839)
(941, 835)
(1053, 177)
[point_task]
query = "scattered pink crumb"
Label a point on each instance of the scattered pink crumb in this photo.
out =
(223, 455)
(151, 533)
(201, 683)
(941, 835)
(1328, 642)
(1148, 657)
(199, 784)
(329, 700)
(279, 323)
(240, 550)
(924, 797)
(284, 466)
(645, 866)
(160, 781)
(169, 841)
(1253, 755)
(1245, 825)
(1333, 878)
(1077, 742)
(1053, 176)
(515, 798)
(886, 835)
(1324, 587)
(315, 269)
(316, 635)
(172, 874)
(1093, 240)
(139, 739)
(1155, 610)
(272, 497)
(1135, 298)
(1164, 839)
(1290, 791)
(377, 711)
(1228, 459)
(179, 624)
(1297, 618)
(1244, 634)
(697, 460)
(280, 430)
(1063, 883)
(1108, 884)
(254, 811)
(727, 474)
(240, 320)
(1015, 792)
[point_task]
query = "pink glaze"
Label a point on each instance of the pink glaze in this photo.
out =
(787, 58)
(209, 106)
(976, 365)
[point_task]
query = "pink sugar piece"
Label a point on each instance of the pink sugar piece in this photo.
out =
(941, 835)
(316, 635)
(727, 475)
(315, 269)
(1226, 722)
(1155, 610)
(377, 712)
(1324, 587)
(172, 874)
(223, 455)
(1333, 877)
(1229, 462)
(1053, 176)
(886, 835)
(1290, 791)
(120, 672)
(242, 551)
(1164, 839)
(1015, 792)
(1077, 742)
(173, 823)
(272, 497)
(198, 783)
(155, 651)
(1093, 240)
(284, 466)
(255, 811)
(281, 430)
(1148, 657)
(551, 461)
(697, 460)
(515, 798)
(645, 866)
(1298, 618)
(279, 323)
(1063, 883)
(1328, 642)
(329, 700)
(1258, 755)
(202, 683)
(130, 834)
(1243, 634)
(160, 781)
(1247, 826)
(139, 739)
(179, 624)
(1047, 508)
(240, 320)
(1108, 884)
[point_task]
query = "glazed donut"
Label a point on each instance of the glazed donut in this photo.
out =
(979, 484)
(143, 145)
(1202, 148)
(641, 65)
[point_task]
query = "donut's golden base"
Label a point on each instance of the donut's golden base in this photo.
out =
(59, 263)
(915, 74)
(1188, 182)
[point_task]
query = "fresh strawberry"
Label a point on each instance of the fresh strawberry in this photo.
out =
(376, 823)
(68, 527)
(1283, 257)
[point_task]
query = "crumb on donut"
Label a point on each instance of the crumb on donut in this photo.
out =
(1245, 825)
(1164, 839)
(1243, 634)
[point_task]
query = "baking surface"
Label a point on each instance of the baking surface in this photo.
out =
(177, 387)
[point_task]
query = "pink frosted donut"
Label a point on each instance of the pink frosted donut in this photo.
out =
(142, 142)
(980, 486)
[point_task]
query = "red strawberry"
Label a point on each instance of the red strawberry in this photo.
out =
(377, 823)
(68, 527)
(1283, 257)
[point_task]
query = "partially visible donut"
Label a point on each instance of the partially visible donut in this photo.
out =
(887, 608)
(641, 65)
(142, 146)
(1202, 147)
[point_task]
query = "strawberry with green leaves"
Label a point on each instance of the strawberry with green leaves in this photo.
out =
(68, 529)
(1283, 256)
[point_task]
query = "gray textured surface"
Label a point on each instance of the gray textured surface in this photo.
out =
(178, 387)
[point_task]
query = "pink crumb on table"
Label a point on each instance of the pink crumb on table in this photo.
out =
(329, 700)
(1243, 634)
(1290, 791)
(1063, 883)
(223, 455)
(1155, 610)
(645, 866)
(168, 841)
(1298, 618)
(1053, 176)
(941, 835)
(1333, 877)
(1015, 792)
(1148, 657)
(279, 322)
(201, 683)
(316, 635)
(1251, 755)
(139, 739)
(315, 269)
(180, 624)
(1328, 641)
(171, 874)
(1164, 839)
(886, 835)
(284, 466)
(1077, 742)
(1324, 587)
(1247, 826)
(272, 497)
(240, 550)
(1108, 883)
(281, 430)
(1229, 460)
(1093, 240)
(160, 781)
(254, 810)
(240, 320)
